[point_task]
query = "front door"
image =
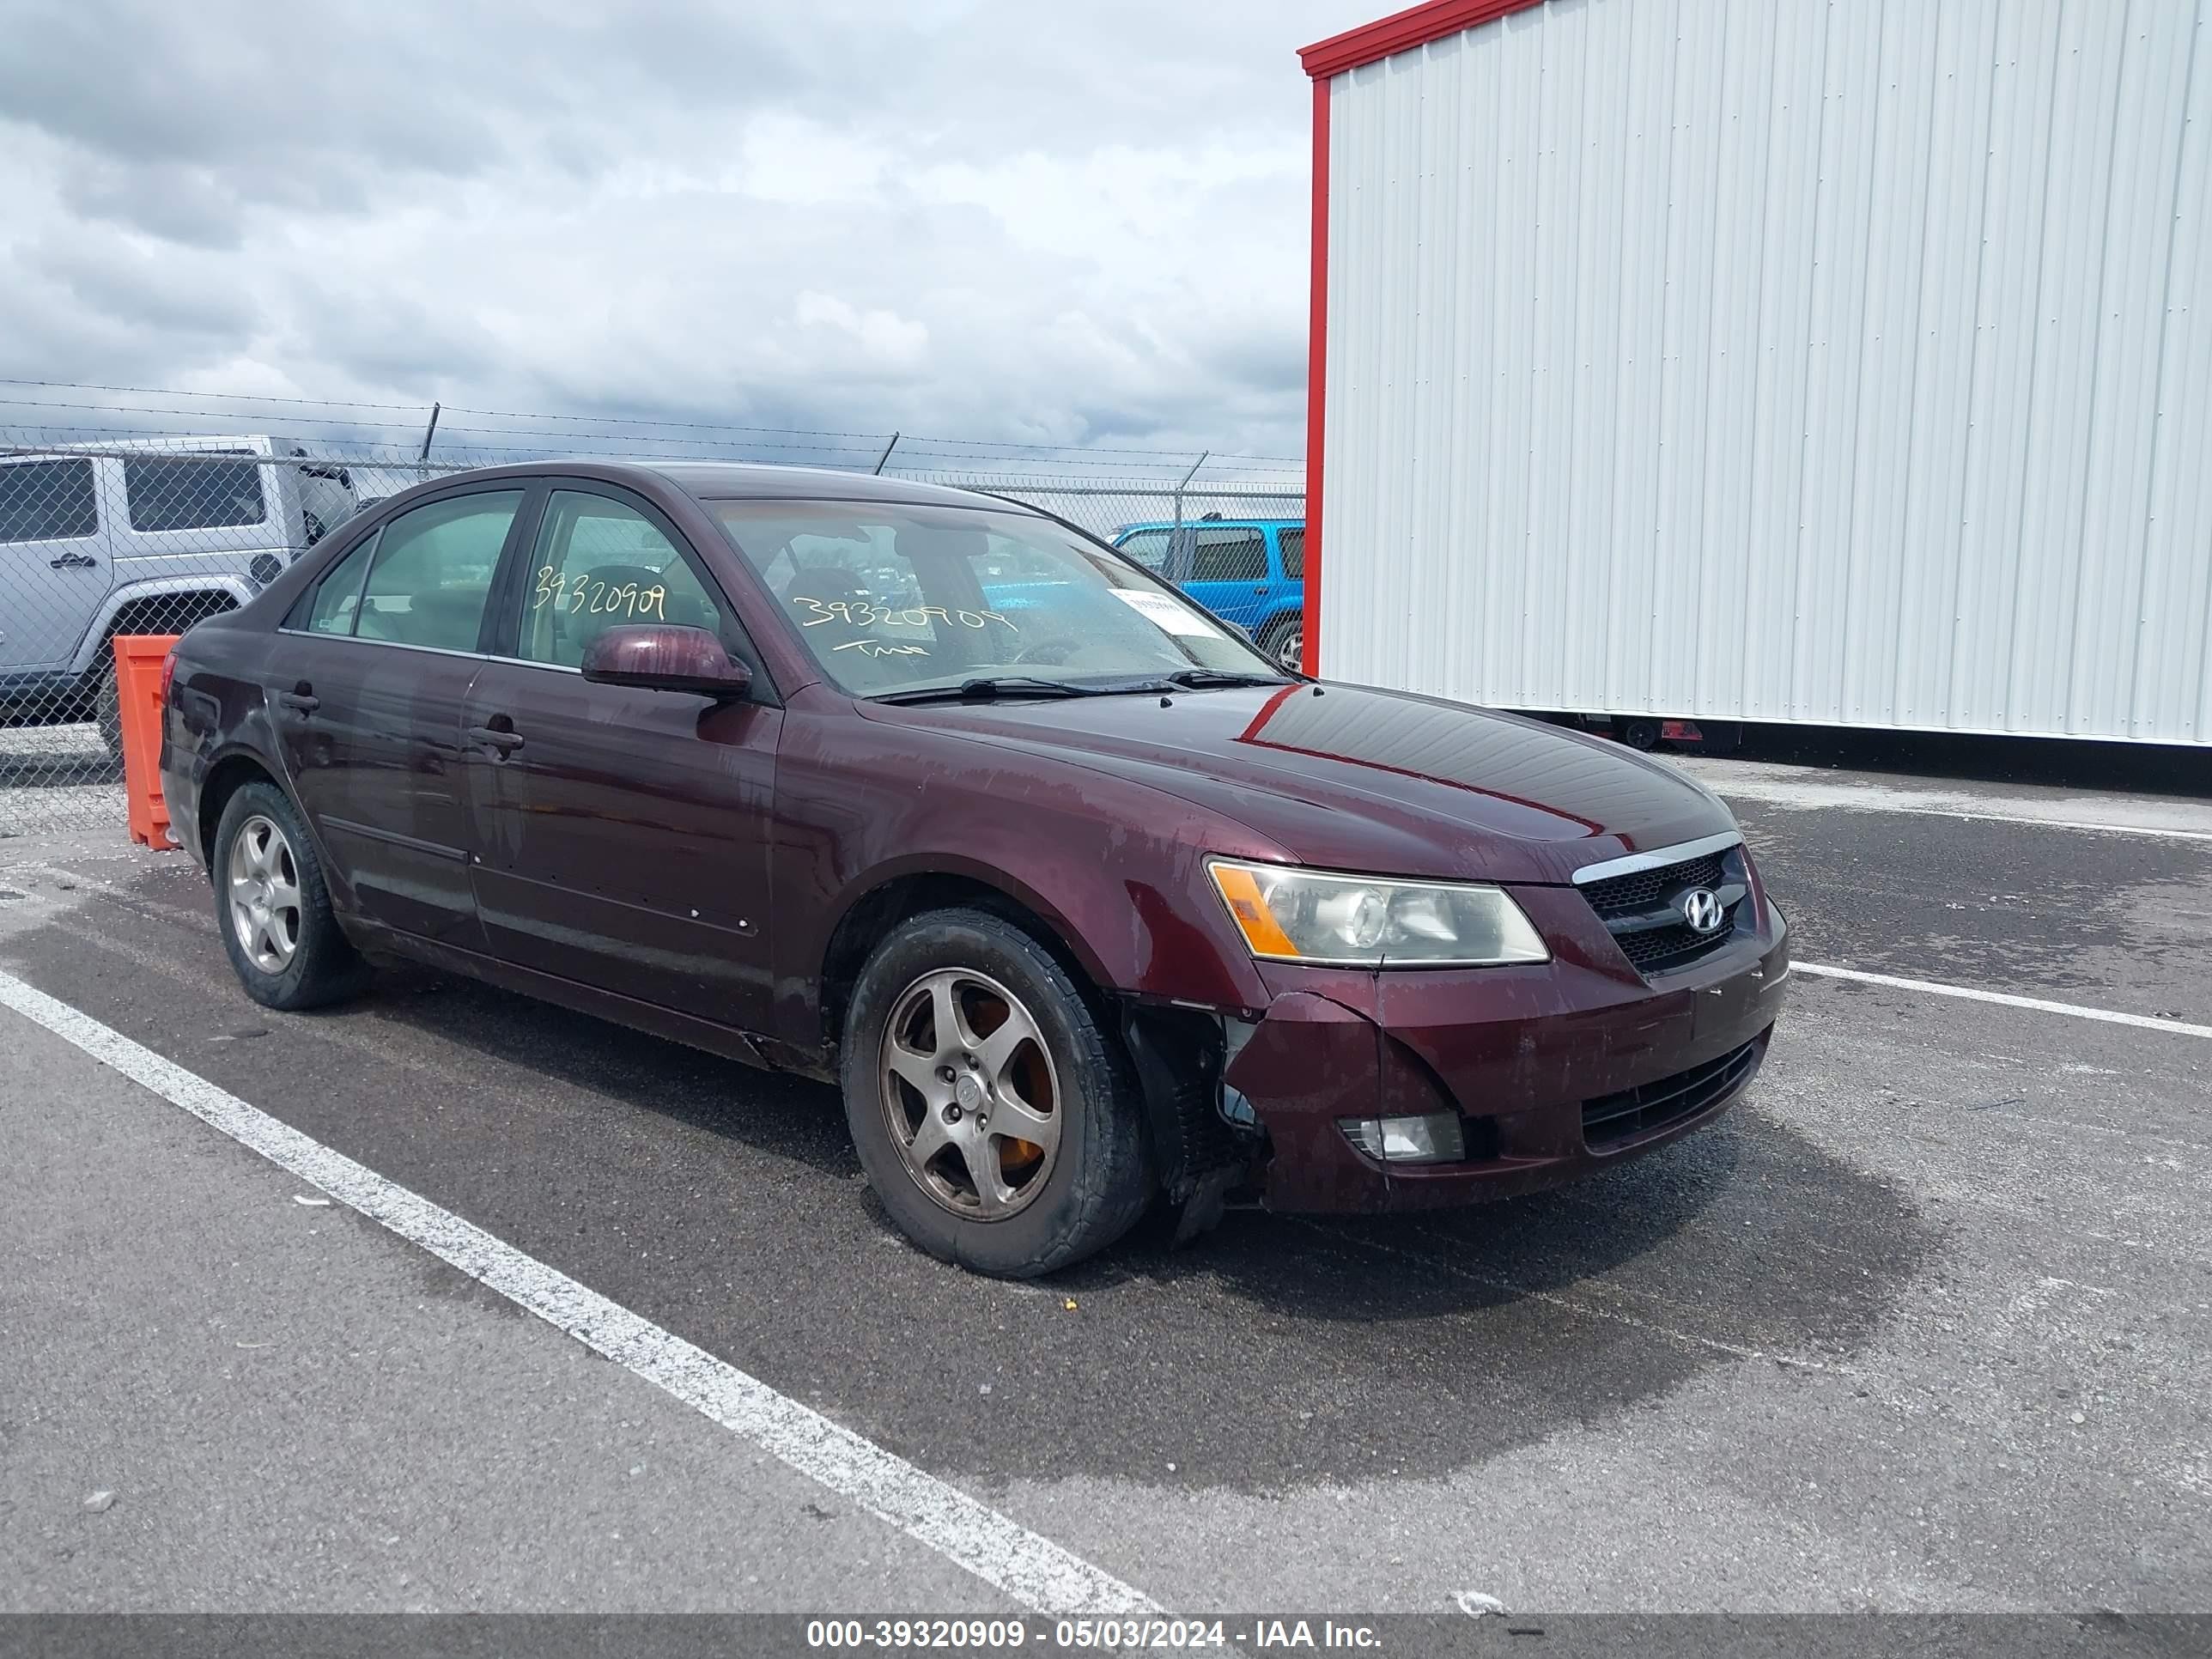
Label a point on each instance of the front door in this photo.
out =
(364, 688)
(623, 832)
(1229, 573)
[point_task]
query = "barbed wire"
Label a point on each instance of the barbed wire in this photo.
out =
(646, 429)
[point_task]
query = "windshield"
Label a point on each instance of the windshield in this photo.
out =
(892, 598)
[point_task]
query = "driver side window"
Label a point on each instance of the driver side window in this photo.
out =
(600, 564)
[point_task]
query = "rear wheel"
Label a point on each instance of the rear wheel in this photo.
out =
(1637, 733)
(995, 1117)
(274, 908)
(1284, 641)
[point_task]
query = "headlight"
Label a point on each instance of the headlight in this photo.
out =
(1301, 916)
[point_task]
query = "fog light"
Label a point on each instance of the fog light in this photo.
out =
(1435, 1138)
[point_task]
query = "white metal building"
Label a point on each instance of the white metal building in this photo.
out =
(1835, 361)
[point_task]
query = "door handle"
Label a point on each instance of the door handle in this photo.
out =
(303, 700)
(505, 741)
(72, 561)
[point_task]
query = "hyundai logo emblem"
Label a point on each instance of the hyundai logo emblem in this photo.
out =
(1701, 909)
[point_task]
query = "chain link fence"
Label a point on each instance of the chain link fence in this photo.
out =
(107, 530)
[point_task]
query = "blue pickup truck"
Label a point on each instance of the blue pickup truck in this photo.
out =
(1248, 571)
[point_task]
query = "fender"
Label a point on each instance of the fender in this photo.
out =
(239, 589)
(945, 863)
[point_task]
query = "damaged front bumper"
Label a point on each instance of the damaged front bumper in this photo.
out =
(1553, 1071)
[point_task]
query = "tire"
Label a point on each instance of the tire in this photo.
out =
(1284, 640)
(1638, 733)
(321, 965)
(107, 708)
(1083, 1190)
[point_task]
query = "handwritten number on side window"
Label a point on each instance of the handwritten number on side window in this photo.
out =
(629, 600)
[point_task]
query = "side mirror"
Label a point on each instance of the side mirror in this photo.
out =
(665, 658)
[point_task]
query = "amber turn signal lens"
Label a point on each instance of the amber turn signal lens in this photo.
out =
(1263, 934)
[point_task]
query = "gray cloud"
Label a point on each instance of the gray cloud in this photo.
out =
(970, 217)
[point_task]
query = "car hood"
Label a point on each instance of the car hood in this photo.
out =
(1352, 778)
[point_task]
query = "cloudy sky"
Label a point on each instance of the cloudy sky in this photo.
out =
(1070, 223)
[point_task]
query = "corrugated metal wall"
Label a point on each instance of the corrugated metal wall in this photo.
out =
(1837, 360)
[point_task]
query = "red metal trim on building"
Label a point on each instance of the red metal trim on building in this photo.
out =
(1401, 31)
(1316, 383)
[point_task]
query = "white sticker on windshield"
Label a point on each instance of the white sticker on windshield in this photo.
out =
(1164, 610)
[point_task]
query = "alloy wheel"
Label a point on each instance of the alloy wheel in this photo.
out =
(264, 894)
(969, 1094)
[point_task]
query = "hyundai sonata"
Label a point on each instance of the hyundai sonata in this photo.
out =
(1087, 904)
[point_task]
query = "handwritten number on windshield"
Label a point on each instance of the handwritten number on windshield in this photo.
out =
(863, 614)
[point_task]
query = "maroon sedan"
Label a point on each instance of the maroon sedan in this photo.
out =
(1086, 905)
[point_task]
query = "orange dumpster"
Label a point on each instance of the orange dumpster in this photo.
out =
(140, 659)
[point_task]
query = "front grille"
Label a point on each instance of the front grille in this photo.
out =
(1611, 1119)
(1647, 888)
(1639, 910)
(1676, 946)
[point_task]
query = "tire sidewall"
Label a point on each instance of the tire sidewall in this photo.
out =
(307, 979)
(1080, 1209)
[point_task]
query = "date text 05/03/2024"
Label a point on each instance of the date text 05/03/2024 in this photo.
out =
(1109, 1635)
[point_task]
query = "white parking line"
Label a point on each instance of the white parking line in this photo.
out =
(2005, 998)
(1031, 1569)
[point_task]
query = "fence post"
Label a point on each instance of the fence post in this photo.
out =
(886, 455)
(1175, 541)
(422, 461)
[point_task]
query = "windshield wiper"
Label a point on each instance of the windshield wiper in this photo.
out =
(1202, 677)
(994, 685)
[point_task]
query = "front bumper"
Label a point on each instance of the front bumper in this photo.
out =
(1518, 1052)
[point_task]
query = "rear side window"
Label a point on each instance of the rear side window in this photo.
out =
(1293, 545)
(1149, 547)
(1229, 555)
(47, 502)
(338, 595)
(431, 573)
(193, 492)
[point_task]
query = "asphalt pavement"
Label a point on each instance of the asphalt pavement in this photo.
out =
(1925, 1324)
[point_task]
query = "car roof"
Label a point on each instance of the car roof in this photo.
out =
(725, 481)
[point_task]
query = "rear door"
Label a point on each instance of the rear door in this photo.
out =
(54, 566)
(366, 682)
(1229, 573)
(624, 833)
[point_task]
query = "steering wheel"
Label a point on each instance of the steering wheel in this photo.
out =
(1054, 650)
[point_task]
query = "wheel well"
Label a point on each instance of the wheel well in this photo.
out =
(1295, 615)
(883, 908)
(230, 775)
(164, 613)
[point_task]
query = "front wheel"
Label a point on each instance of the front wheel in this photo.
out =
(274, 908)
(995, 1117)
